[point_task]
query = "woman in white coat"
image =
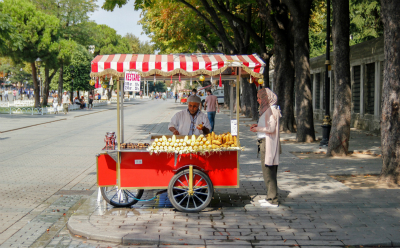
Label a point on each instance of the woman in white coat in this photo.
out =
(268, 134)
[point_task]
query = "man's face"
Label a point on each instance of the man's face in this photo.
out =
(193, 107)
(65, 92)
(208, 93)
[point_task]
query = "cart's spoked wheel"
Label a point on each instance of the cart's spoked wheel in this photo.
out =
(186, 200)
(121, 197)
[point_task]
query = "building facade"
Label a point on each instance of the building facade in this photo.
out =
(366, 70)
(366, 74)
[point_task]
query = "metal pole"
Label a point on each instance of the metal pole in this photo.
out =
(122, 111)
(326, 124)
(231, 100)
(237, 103)
(118, 138)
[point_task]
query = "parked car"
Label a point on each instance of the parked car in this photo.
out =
(218, 93)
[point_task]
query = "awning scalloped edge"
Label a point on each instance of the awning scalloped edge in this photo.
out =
(174, 72)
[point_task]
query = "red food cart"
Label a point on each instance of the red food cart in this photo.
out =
(123, 173)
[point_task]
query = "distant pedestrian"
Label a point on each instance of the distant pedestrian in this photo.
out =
(98, 97)
(90, 106)
(66, 102)
(211, 104)
(14, 95)
(6, 95)
(176, 96)
(55, 103)
(267, 131)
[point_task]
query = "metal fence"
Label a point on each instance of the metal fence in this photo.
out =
(23, 108)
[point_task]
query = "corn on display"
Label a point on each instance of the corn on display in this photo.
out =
(200, 144)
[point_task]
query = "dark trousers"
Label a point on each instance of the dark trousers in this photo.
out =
(211, 118)
(269, 174)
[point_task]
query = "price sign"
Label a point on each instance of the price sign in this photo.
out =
(132, 81)
(234, 127)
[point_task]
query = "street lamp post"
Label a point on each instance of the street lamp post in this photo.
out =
(38, 62)
(71, 68)
(326, 124)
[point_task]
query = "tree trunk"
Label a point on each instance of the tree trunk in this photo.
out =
(254, 103)
(277, 18)
(35, 85)
(304, 111)
(267, 59)
(60, 83)
(246, 98)
(226, 94)
(340, 132)
(390, 119)
(284, 82)
(46, 85)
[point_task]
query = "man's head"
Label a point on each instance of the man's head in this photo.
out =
(65, 92)
(193, 104)
(208, 92)
(194, 92)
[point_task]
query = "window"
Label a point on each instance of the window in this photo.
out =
(355, 89)
(369, 89)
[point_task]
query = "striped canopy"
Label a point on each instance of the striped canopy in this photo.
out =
(167, 65)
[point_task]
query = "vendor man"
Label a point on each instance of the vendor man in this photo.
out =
(191, 120)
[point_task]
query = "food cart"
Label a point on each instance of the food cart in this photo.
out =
(125, 170)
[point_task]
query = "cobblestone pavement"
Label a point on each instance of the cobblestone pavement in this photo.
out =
(315, 209)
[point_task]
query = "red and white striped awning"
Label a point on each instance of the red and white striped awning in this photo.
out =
(167, 65)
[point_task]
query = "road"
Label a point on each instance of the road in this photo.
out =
(43, 164)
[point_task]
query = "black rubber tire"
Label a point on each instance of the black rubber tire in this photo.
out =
(111, 196)
(181, 200)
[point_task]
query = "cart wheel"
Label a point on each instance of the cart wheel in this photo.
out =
(121, 197)
(180, 197)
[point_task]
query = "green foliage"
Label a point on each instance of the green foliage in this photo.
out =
(365, 24)
(7, 33)
(77, 77)
(15, 72)
(365, 21)
(138, 46)
(107, 41)
(37, 30)
(157, 87)
(74, 18)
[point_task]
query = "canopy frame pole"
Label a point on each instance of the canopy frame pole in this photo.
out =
(121, 95)
(118, 139)
(237, 102)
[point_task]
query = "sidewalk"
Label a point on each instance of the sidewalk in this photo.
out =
(315, 211)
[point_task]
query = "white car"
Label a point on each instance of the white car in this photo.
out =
(218, 93)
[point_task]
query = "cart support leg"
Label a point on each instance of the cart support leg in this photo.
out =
(99, 196)
(190, 180)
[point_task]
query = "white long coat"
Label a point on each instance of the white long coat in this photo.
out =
(271, 129)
